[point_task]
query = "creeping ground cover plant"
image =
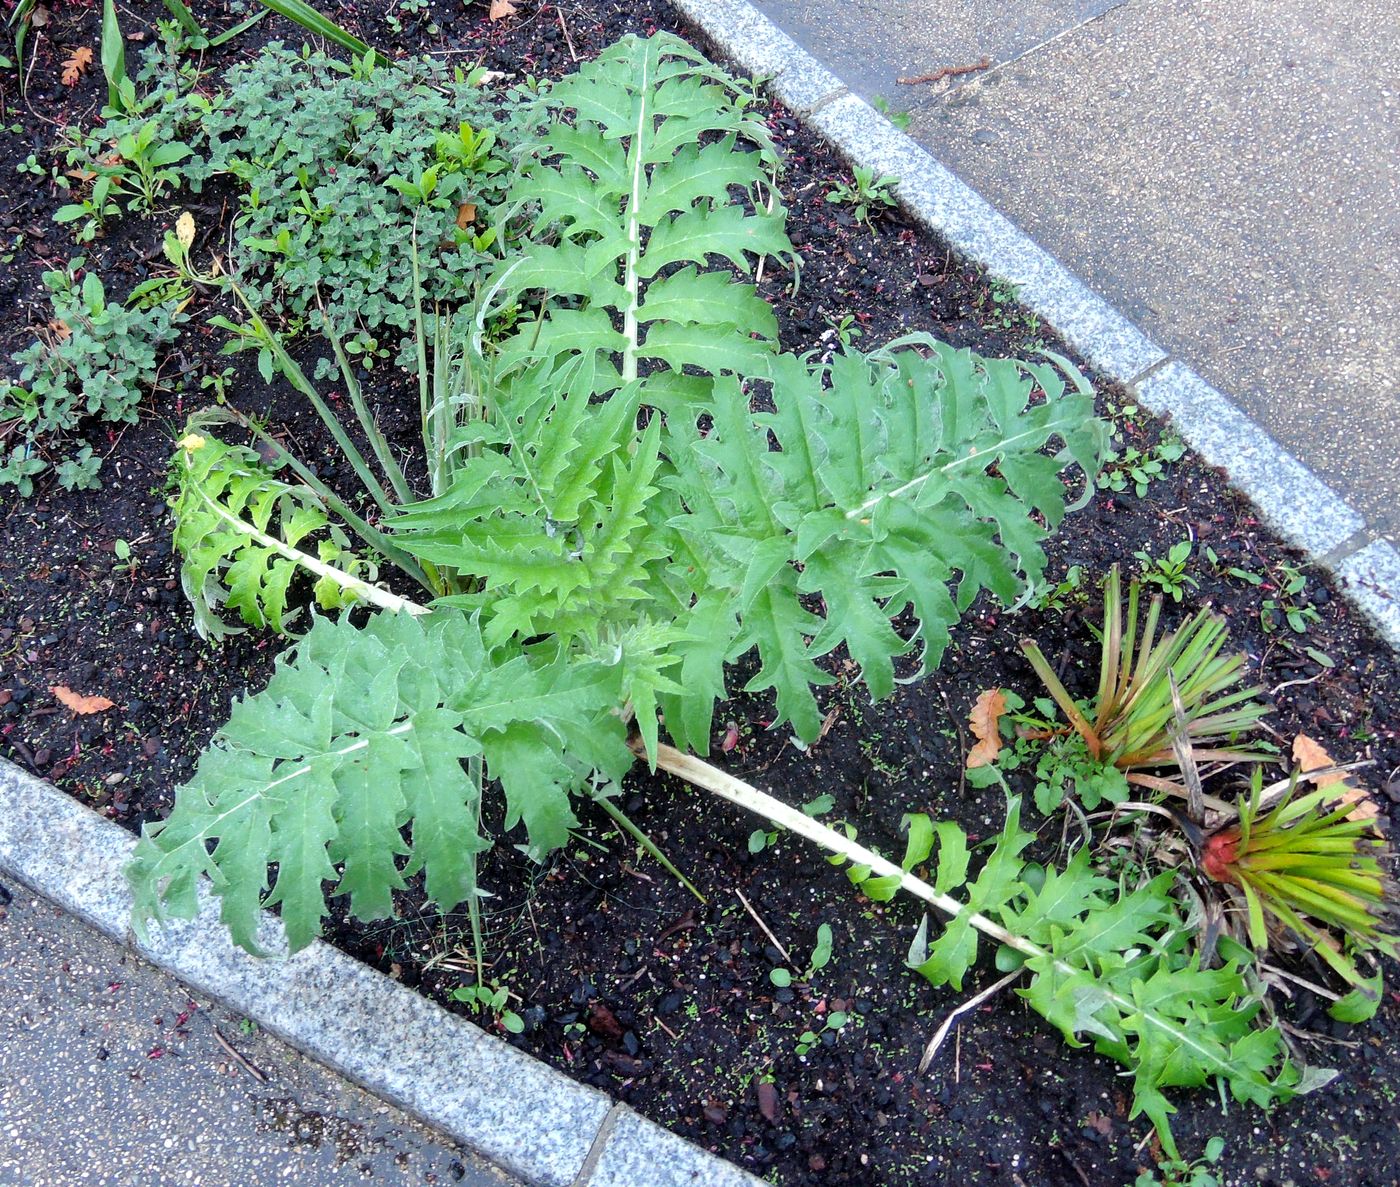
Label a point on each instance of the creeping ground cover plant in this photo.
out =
(623, 491)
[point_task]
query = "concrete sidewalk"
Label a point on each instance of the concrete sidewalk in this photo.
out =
(1226, 174)
(90, 1031)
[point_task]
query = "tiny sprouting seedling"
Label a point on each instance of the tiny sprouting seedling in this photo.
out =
(216, 383)
(127, 561)
(1223, 568)
(900, 119)
(1059, 596)
(761, 838)
(844, 329)
(1288, 602)
(808, 1039)
(866, 194)
(1181, 1172)
(1168, 573)
(821, 957)
(492, 1000)
(1139, 467)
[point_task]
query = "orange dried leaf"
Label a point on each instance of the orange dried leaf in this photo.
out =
(79, 703)
(985, 720)
(76, 66)
(1310, 756)
(500, 9)
(466, 215)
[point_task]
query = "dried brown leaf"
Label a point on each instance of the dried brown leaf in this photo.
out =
(79, 703)
(466, 215)
(76, 66)
(500, 9)
(1310, 755)
(985, 720)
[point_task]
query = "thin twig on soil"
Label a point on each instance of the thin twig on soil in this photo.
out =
(953, 1015)
(569, 41)
(945, 72)
(257, 1073)
(758, 919)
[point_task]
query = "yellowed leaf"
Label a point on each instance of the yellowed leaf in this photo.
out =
(76, 66)
(985, 720)
(500, 9)
(1310, 756)
(184, 229)
(79, 703)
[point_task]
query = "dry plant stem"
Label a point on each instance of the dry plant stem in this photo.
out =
(758, 919)
(953, 1015)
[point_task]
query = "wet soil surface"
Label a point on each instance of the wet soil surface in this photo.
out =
(625, 981)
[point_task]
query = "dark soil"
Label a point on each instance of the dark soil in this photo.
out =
(624, 981)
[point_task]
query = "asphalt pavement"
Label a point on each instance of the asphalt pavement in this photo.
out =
(112, 1074)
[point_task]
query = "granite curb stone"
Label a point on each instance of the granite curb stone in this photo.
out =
(1372, 579)
(640, 1154)
(506, 1105)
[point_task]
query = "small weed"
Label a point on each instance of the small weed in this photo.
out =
(491, 1000)
(1168, 573)
(810, 1038)
(1173, 1172)
(866, 194)
(1288, 603)
(1059, 596)
(900, 119)
(821, 957)
(1139, 468)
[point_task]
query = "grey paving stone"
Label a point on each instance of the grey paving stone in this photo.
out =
(437, 1066)
(1290, 497)
(1372, 578)
(640, 1154)
(937, 198)
(805, 84)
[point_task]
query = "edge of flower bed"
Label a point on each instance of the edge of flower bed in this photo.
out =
(1291, 498)
(506, 1105)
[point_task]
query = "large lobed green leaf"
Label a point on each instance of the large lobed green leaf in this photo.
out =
(352, 759)
(910, 478)
(1113, 968)
(630, 191)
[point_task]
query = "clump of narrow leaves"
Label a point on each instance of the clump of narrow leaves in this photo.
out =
(1134, 715)
(1308, 870)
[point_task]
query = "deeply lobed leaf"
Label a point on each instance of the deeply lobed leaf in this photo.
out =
(359, 736)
